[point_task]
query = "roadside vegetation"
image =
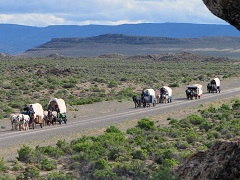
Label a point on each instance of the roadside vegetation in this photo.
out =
(87, 80)
(147, 151)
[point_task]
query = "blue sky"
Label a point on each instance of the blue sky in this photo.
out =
(43, 13)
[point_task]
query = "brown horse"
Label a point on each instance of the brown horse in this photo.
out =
(165, 98)
(50, 117)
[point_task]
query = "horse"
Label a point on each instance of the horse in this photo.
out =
(23, 121)
(158, 98)
(190, 93)
(146, 101)
(14, 121)
(50, 117)
(137, 101)
(212, 88)
(165, 98)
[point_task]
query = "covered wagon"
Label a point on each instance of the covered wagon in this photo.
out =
(194, 91)
(214, 86)
(37, 115)
(58, 105)
(165, 94)
(151, 94)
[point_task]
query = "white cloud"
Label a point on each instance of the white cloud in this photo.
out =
(82, 12)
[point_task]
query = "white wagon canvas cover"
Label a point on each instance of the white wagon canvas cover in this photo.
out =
(37, 109)
(198, 87)
(60, 103)
(169, 90)
(215, 81)
(151, 92)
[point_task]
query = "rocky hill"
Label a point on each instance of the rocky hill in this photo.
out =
(221, 161)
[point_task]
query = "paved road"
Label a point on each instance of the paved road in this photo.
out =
(16, 138)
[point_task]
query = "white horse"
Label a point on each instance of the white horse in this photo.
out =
(14, 121)
(23, 122)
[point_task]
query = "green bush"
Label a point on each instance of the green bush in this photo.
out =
(146, 124)
(2, 164)
(191, 136)
(31, 172)
(112, 84)
(51, 151)
(113, 129)
(140, 154)
(25, 154)
(47, 164)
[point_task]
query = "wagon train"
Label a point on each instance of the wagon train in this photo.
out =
(214, 86)
(194, 91)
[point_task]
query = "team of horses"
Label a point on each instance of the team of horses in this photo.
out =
(25, 122)
(144, 101)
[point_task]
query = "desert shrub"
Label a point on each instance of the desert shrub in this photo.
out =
(31, 172)
(126, 92)
(134, 131)
(60, 176)
(206, 126)
(25, 154)
(146, 124)
(64, 146)
(17, 166)
(140, 154)
(112, 84)
(173, 133)
(47, 164)
(181, 144)
(119, 154)
(174, 85)
(236, 105)
(113, 129)
(191, 136)
(164, 172)
(185, 123)
(100, 80)
(103, 174)
(170, 162)
(7, 177)
(2, 164)
(51, 151)
(195, 120)
(213, 135)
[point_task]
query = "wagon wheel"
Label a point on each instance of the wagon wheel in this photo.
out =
(65, 120)
(154, 103)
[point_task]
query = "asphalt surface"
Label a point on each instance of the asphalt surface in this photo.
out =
(10, 138)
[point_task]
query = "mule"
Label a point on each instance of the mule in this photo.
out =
(146, 101)
(137, 101)
(50, 117)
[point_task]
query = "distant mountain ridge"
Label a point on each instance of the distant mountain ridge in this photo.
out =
(135, 45)
(15, 39)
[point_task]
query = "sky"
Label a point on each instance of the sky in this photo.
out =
(42, 13)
